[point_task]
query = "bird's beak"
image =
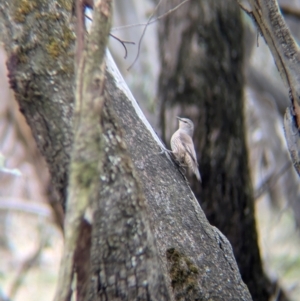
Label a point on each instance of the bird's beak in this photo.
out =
(179, 118)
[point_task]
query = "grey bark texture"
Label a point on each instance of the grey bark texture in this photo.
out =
(286, 54)
(194, 257)
(39, 39)
(124, 259)
(189, 248)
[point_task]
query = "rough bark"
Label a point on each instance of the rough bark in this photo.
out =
(286, 54)
(88, 147)
(190, 250)
(202, 78)
(39, 39)
(124, 261)
(124, 257)
(284, 48)
(195, 258)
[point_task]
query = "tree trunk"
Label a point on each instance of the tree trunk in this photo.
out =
(202, 78)
(195, 258)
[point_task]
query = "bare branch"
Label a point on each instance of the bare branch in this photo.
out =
(290, 11)
(85, 166)
(284, 48)
(149, 22)
(153, 21)
(123, 44)
(141, 24)
(144, 31)
(292, 138)
(286, 53)
(118, 39)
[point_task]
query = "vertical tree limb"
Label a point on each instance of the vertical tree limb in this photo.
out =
(86, 157)
(286, 54)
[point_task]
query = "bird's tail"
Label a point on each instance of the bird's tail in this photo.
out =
(197, 173)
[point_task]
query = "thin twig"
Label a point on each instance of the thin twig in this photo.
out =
(144, 31)
(118, 39)
(88, 17)
(123, 43)
(150, 21)
(153, 21)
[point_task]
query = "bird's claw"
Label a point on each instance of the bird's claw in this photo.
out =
(164, 150)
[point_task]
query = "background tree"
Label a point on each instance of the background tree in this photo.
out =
(201, 48)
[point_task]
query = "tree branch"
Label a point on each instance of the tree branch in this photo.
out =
(284, 48)
(86, 158)
(290, 11)
(286, 54)
(179, 225)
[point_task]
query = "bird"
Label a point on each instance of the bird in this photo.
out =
(182, 146)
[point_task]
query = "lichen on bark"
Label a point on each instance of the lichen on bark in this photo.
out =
(39, 39)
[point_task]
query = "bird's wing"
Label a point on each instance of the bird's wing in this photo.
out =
(188, 144)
